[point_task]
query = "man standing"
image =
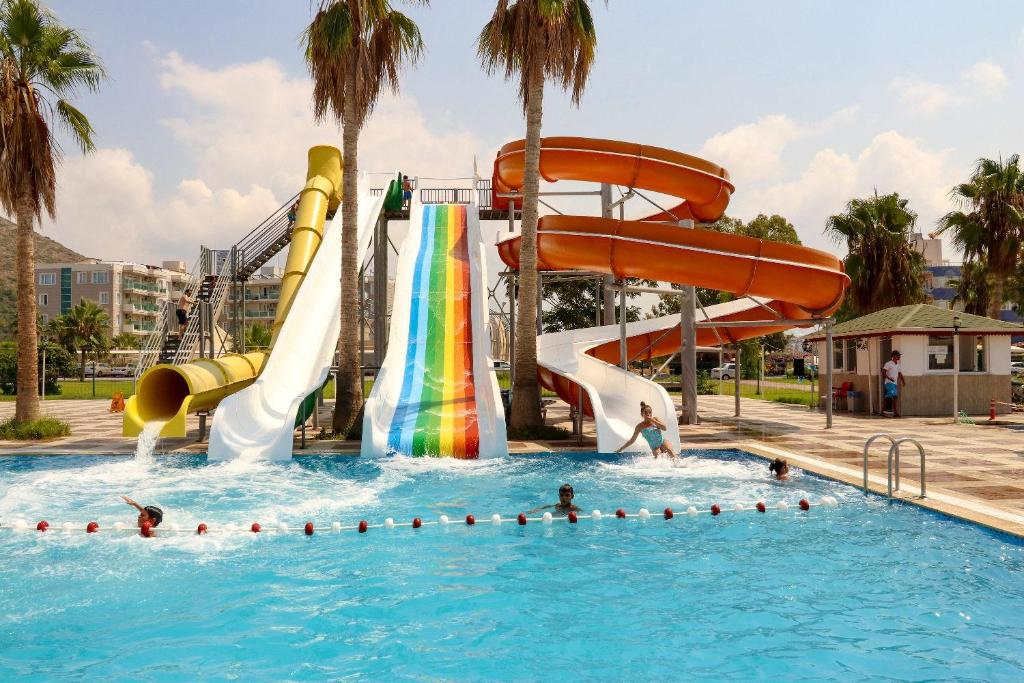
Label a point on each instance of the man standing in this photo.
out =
(892, 379)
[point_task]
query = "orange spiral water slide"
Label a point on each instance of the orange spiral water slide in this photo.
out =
(791, 282)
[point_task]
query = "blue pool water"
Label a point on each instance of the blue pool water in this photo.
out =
(867, 590)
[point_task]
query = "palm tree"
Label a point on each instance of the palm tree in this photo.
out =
(40, 59)
(84, 329)
(973, 287)
(257, 336)
(534, 41)
(354, 49)
(125, 340)
(884, 268)
(990, 227)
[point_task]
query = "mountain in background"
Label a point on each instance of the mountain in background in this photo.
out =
(47, 251)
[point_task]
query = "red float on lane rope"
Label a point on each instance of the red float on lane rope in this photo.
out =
(572, 517)
(804, 505)
(715, 510)
(92, 527)
(760, 506)
(470, 520)
(146, 530)
(42, 526)
(620, 513)
(417, 523)
(255, 528)
(669, 514)
(521, 519)
(308, 529)
(201, 529)
(362, 526)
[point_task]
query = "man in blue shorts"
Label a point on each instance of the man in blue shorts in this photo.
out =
(892, 380)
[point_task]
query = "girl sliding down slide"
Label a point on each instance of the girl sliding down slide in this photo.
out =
(651, 428)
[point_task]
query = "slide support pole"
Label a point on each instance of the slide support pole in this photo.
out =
(688, 347)
(609, 280)
(736, 381)
(828, 369)
(623, 359)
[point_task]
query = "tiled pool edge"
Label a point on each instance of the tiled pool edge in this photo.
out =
(937, 501)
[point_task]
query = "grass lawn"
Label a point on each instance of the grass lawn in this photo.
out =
(798, 394)
(73, 389)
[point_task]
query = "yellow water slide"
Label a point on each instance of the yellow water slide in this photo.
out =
(167, 393)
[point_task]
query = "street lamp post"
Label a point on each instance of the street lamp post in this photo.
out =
(956, 367)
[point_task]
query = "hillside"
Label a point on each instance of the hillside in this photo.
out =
(47, 251)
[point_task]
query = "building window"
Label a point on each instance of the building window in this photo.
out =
(851, 355)
(940, 352)
(100, 277)
(44, 299)
(972, 353)
(837, 355)
(104, 298)
(83, 277)
(47, 278)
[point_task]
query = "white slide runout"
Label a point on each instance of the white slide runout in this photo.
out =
(258, 423)
(615, 394)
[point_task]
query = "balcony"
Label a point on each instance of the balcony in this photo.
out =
(150, 288)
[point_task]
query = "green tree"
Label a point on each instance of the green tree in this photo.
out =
(989, 228)
(884, 268)
(354, 49)
(570, 305)
(42, 63)
(84, 329)
(774, 227)
(257, 336)
(973, 288)
(535, 41)
(125, 340)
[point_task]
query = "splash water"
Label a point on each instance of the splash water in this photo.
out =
(147, 441)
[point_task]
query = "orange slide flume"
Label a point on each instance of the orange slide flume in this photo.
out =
(794, 282)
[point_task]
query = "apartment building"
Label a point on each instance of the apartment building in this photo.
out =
(132, 294)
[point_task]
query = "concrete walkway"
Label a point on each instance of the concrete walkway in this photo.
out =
(973, 471)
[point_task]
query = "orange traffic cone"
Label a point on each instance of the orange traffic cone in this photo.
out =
(992, 410)
(117, 403)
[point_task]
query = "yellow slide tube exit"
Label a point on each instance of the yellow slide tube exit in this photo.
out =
(167, 393)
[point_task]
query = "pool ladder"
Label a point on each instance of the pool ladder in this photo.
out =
(894, 457)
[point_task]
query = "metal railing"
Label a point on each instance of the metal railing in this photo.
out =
(452, 195)
(213, 306)
(261, 243)
(150, 352)
(893, 459)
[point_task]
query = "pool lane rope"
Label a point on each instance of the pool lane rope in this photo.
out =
(443, 520)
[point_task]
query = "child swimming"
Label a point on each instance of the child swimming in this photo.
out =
(150, 514)
(651, 428)
(780, 469)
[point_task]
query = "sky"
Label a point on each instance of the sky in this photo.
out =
(203, 122)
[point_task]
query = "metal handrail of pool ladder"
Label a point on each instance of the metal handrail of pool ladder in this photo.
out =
(894, 450)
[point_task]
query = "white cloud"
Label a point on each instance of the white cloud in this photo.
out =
(244, 138)
(891, 162)
(983, 81)
(988, 78)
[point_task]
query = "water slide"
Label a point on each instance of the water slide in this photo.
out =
(436, 393)
(167, 393)
(258, 422)
(775, 280)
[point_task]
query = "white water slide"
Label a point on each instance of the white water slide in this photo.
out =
(613, 393)
(437, 394)
(258, 423)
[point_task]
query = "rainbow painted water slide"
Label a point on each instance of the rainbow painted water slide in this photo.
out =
(436, 393)
(774, 280)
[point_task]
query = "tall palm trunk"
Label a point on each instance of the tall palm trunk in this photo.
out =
(349, 399)
(526, 391)
(996, 305)
(26, 406)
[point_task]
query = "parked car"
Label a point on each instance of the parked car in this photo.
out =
(121, 371)
(1017, 368)
(501, 365)
(101, 369)
(727, 371)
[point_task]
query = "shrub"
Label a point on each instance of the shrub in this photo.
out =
(59, 363)
(704, 384)
(43, 428)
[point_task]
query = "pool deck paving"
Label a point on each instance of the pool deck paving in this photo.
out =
(975, 472)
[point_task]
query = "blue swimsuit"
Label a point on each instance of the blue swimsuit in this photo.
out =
(653, 437)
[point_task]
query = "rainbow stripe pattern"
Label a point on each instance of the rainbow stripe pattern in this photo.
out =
(437, 412)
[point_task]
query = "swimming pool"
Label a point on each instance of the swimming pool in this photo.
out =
(866, 590)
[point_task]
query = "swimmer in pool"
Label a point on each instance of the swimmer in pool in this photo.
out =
(149, 513)
(564, 504)
(779, 469)
(651, 429)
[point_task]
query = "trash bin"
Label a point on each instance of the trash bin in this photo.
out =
(854, 401)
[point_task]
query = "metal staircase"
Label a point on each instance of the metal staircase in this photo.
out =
(210, 287)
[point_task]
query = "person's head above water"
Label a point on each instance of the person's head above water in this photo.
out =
(565, 495)
(646, 411)
(779, 468)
